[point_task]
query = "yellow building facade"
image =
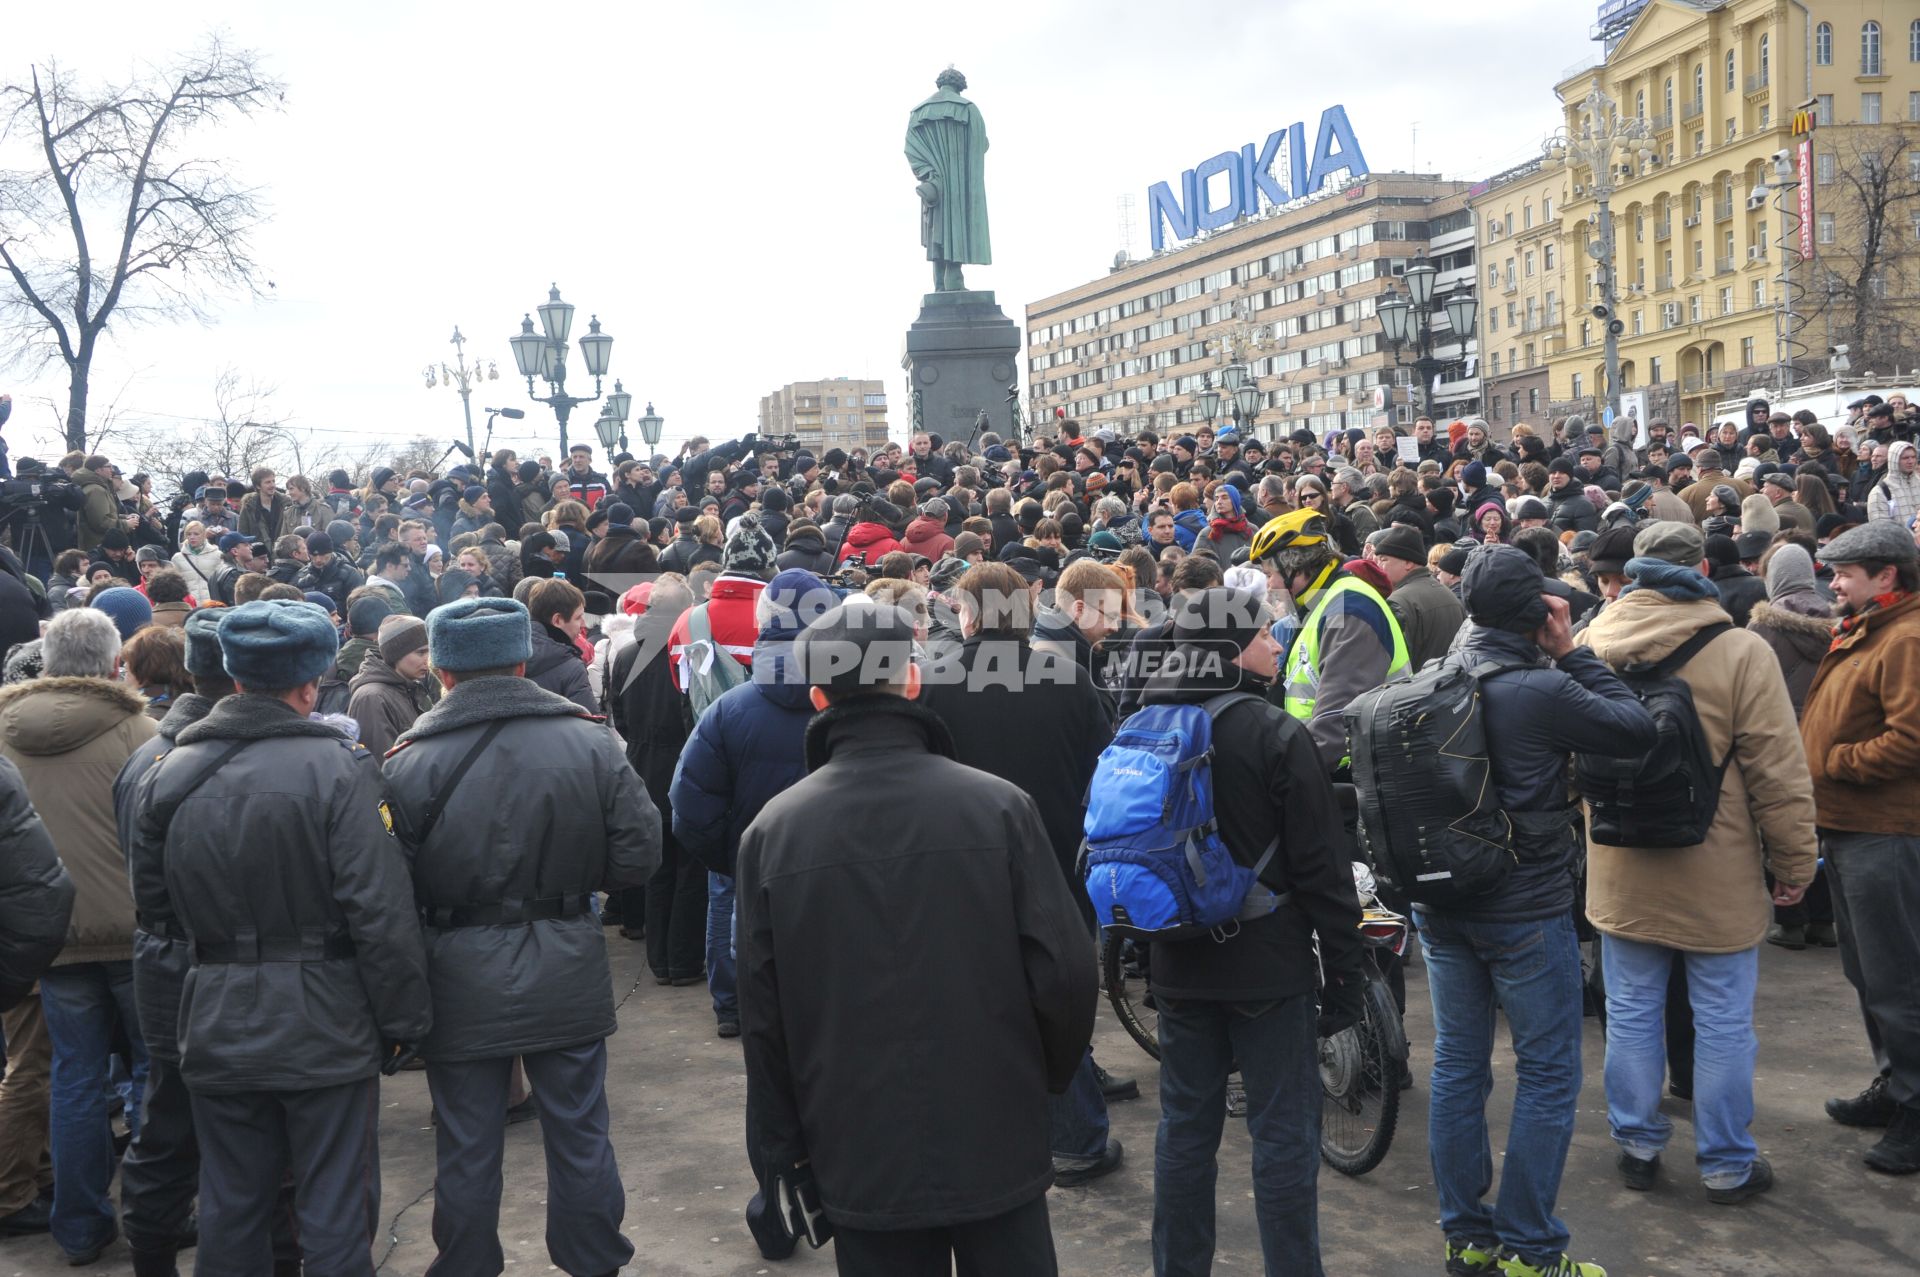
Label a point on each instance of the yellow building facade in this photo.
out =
(1699, 261)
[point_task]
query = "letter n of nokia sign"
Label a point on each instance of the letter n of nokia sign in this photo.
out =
(1250, 178)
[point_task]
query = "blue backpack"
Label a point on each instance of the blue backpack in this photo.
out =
(1153, 859)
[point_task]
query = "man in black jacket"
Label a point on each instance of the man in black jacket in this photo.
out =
(1251, 997)
(263, 832)
(515, 957)
(1517, 944)
(1034, 716)
(969, 1048)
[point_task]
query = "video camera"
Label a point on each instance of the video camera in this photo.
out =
(773, 443)
(33, 494)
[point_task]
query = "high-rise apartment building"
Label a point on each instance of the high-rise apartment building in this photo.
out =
(1521, 255)
(840, 413)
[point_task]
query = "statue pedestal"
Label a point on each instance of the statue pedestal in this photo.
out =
(961, 355)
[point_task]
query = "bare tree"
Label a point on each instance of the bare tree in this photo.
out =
(246, 431)
(1866, 284)
(105, 215)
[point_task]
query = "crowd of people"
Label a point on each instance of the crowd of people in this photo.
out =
(250, 859)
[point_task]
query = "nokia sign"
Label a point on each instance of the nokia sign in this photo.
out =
(1250, 178)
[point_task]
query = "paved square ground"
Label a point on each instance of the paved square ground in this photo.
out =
(678, 1093)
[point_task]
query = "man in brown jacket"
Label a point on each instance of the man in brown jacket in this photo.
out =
(69, 733)
(1707, 464)
(1706, 905)
(1861, 726)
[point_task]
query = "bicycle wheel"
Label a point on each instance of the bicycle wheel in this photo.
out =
(1123, 975)
(1360, 1076)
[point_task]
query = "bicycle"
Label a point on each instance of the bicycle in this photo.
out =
(1360, 1067)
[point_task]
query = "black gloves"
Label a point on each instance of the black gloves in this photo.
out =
(1341, 1003)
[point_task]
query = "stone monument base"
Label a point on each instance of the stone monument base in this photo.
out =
(962, 356)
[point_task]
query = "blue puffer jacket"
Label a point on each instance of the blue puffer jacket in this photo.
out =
(1189, 525)
(749, 746)
(1535, 717)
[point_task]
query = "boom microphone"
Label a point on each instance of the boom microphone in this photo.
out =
(511, 414)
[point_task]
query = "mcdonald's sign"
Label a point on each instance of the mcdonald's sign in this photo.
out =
(1803, 122)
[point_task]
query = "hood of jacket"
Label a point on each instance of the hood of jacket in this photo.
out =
(1800, 619)
(923, 531)
(729, 585)
(862, 535)
(59, 715)
(772, 654)
(374, 669)
(1646, 626)
(807, 541)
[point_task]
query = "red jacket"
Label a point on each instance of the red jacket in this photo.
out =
(927, 536)
(873, 538)
(730, 615)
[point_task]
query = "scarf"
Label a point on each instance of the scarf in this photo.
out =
(1682, 585)
(1848, 624)
(1224, 527)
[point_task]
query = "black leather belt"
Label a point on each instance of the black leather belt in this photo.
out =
(246, 949)
(507, 912)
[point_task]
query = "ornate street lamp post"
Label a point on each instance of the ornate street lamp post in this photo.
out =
(1408, 325)
(462, 379)
(544, 354)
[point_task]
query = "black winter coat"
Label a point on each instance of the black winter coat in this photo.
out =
(576, 821)
(1535, 717)
(1032, 717)
(1268, 783)
(922, 1099)
(161, 954)
(622, 553)
(807, 550)
(1739, 591)
(285, 841)
(557, 666)
(651, 715)
(36, 895)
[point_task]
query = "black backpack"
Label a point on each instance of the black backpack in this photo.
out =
(1667, 796)
(1430, 820)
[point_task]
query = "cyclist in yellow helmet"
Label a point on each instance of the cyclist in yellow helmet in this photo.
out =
(1350, 642)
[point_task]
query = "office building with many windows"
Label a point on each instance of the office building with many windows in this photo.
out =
(1292, 293)
(839, 413)
(1520, 251)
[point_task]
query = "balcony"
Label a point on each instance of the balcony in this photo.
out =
(1723, 265)
(1661, 283)
(1723, 210)
(1663, 229)
(1699, 382)
(1510, 285)
(1756, 83)
(1661, 123)
(1693, 110)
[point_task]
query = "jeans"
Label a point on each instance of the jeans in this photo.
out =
(1876, 896)
(1533, 970)
(1720, 989)
(1279, 1057)
(84, 1004)
(1077, 1118)
(720, 981)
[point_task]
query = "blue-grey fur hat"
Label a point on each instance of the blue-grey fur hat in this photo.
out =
(203, 642)
(479, 634)
(277, 643)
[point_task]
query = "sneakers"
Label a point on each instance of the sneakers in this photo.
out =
(1075, 1177)
(1872, 1107)
(1564, 1266)
(728, 1028)
(1794, 937)
(1115, 1088)
(1898, 1153)
(1823, 934)
(1471, 1259)
(1759, 1180)
(1638, 1173)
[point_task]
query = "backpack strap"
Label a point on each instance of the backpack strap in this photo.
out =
(1678, 658)
(1214, 707)
(459, 773)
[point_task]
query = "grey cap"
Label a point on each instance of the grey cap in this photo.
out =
(1673, 542)
(861, 645)
(1880, 541)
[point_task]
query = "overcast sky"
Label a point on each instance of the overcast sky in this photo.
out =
(724, 185)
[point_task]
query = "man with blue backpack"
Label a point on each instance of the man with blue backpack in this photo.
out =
(1213, 833)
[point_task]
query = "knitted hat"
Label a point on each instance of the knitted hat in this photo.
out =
(749, 551)
(400, 637)
(127, 607)
(1220, 617)
(479, 634)
(857, 646)
(1880, 541)
(795, 599)
(277, 643)
(202, 631)
(620, 514)
(339, 532)
(1400, 542)
(319, 543)
(1722, 552)
(1475, 474)
(1789, 571)
(1756, 513)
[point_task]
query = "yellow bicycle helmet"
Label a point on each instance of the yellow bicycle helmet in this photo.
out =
(1290, 530)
